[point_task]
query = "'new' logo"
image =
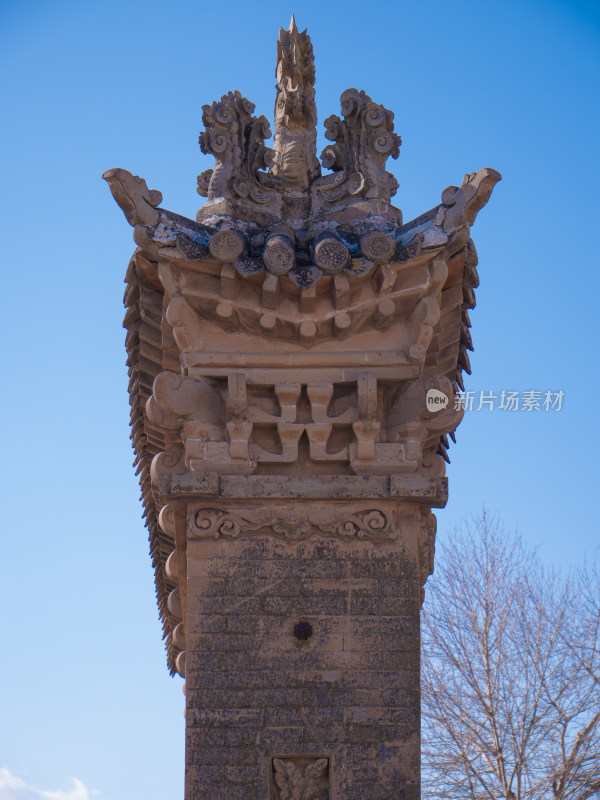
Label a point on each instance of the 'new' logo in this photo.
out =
(436, 400)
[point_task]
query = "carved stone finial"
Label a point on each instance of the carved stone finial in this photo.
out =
(236, 139)
(295, 111)
(364, 139)
(133, 196)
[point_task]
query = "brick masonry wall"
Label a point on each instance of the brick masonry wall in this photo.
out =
(349, 693)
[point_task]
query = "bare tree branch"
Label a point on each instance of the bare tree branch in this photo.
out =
(510, 673)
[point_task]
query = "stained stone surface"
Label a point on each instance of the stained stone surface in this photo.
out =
(349, 693)
(281, 349)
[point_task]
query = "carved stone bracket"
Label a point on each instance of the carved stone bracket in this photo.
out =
(231, 428)
(131, 192)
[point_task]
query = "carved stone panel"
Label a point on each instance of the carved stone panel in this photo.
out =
(301, 778)
(293, 521)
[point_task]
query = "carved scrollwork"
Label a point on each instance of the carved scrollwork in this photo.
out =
(301, 779)
(364, 139)
(166, 463)
(236, 139)
(213, 523)
(368, 524)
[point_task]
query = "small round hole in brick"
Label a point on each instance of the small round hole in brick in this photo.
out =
(303, 631)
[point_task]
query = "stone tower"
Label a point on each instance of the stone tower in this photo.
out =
(294, 355)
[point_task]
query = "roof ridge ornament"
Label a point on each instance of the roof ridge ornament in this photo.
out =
(236, 138)
(364, 140)
(295, 141)
(253, 183)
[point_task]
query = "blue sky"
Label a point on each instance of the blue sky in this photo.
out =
(84, 689)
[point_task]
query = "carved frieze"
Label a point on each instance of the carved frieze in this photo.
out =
(291, 522)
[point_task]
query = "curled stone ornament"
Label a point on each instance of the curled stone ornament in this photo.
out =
(368, 524)
(364, 140)
(212, 523)
(236, 139)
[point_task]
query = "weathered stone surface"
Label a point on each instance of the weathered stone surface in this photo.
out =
(282, 351)
(348, 693)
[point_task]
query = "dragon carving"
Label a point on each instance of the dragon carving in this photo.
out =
(295, 141)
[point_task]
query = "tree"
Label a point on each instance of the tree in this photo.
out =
(510, 673)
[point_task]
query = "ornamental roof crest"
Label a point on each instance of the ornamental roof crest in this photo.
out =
(285, 182)
(273, 209)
